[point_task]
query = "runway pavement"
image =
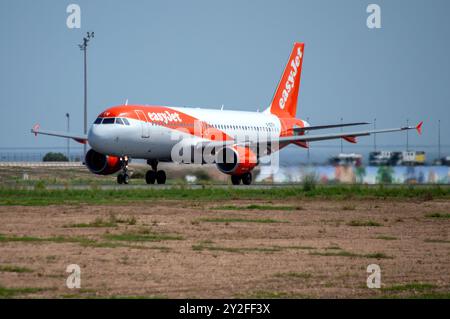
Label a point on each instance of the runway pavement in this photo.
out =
(200, 186)
(165, 186)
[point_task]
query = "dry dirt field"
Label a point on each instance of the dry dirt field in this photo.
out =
(185, 249)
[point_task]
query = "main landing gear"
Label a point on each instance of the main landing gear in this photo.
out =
(154, 175)
(124, 177)
(246, 179)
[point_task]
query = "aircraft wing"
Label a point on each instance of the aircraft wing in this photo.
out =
(348, 136)
(321, 127)
(80, 138)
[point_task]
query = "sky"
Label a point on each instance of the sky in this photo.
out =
(206, 53)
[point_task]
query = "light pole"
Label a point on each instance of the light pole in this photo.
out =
(407, 136)
(68, 139)
(307, 120)
(342, 146)
(439, 139)
(374, 135)
(83, 47)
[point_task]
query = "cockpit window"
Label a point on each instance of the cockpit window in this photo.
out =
(109, 120)
(112, 120)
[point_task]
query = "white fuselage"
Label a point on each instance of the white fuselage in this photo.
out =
(150, 137)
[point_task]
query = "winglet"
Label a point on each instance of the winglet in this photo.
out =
(35, 129)
(419, 127)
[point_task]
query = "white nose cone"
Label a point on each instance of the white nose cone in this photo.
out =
(96, 137)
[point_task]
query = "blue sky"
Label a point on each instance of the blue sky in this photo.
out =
(208, 53)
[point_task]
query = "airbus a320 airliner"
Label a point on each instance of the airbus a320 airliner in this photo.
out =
(233, 140)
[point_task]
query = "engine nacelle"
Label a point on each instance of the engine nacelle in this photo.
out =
(102, 164)
(236, 160)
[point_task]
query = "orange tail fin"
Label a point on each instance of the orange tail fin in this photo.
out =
(284, 103)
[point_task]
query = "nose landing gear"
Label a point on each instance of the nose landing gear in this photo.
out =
(123, 177)
(154, 175)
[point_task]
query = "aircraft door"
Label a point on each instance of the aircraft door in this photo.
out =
(145, 132)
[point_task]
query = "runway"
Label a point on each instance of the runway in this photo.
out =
(216, 186)
(165, 186)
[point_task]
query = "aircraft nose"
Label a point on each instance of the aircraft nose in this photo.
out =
(95, 136)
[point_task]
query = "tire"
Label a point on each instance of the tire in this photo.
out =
(120, 178)
(126, 179)
(161, 177)
(150, 177)
(247, 178)
(235, 179)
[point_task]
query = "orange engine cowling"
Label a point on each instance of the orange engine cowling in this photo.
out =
(236, 160)
(102, 164)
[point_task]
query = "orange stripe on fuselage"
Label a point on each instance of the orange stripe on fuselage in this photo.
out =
(169, 118)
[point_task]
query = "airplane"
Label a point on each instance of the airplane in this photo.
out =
(234, 139)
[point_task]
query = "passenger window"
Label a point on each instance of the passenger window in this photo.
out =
(119, 121)
(109, 120)
(98, 120)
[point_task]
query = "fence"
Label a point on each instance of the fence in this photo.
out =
(318, 153)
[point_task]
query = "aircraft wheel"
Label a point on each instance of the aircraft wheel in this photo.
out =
(161, 177)
(126, 179)
(235, 179)
(150, 177)
(247, 178)
(120, 178)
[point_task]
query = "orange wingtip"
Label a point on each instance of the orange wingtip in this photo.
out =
(36, 129)
(419, 127)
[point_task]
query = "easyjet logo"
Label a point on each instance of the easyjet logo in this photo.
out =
(165, 116)
(290, 82)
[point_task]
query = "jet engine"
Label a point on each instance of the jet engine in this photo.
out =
(236, 160)
(102, 164)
